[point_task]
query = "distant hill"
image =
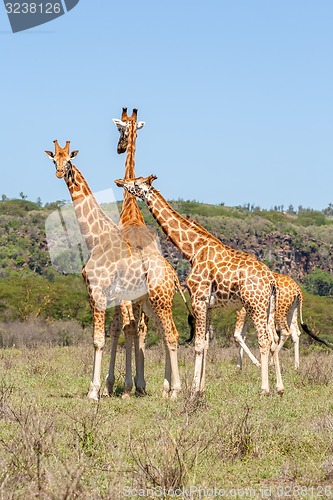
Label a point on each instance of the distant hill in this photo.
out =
(298, 244)
(292, 243)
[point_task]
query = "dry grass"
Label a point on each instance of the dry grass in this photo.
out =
(56, 444)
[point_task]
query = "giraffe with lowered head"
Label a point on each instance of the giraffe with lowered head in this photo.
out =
(220, 277)
(115, 271)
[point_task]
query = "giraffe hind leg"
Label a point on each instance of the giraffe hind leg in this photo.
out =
(139, 346)
(161, 315)
(239, 336)
(115, 329)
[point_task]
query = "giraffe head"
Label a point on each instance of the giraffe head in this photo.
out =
(62, 159)
(126, 126)
(139, 187)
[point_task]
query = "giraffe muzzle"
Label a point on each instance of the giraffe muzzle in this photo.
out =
(60, 173)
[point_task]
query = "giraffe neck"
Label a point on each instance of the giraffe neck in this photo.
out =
(187, 237)
(130, 213)
(92, 220)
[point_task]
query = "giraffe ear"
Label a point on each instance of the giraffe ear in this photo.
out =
(151, 178)
(49, 154)
(119, 124)
(140, 125)
(73, 153)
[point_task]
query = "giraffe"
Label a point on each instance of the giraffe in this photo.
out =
(133, 226)
(219, 277)
(289, 305)
(136, 326)
(115, 271)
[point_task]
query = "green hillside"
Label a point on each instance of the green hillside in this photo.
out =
(297, 243)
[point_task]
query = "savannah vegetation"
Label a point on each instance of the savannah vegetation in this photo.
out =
(54, 443)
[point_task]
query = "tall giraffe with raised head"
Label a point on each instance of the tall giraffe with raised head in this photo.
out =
(219, 277)
(138, 235)
(289, 305)
(115, 271)
(131, 221)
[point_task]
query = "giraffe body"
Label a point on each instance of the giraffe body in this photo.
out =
(115, 272)
(219, 277)
(289, 304)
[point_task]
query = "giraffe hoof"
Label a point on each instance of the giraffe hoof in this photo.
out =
(140, 392)
(107, 393)
(125, 396)
(174, 395)
(265, 392)
(280, 392)
(93, 393)
(93, 397)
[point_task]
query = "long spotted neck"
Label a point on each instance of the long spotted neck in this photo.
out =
(93, 221)
(130, 214)
(187, 237)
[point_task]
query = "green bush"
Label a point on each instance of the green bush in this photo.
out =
(319, 283)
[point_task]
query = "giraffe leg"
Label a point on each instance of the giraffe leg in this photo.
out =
(204, 363)
(264, 353)
(295, 334)
(264, 340)
(115, 329)
(139, 346)
(99, 342)
(130, 334)
(274, 348)
(205, 352)
(239, 336)
(284, 327)
(160, 312)
(167, 374)
(200, 312)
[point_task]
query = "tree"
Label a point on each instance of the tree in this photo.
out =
(319, 283)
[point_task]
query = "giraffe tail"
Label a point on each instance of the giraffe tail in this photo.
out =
(273, 320)
(191, 322)
(314, 336)
(190, 317)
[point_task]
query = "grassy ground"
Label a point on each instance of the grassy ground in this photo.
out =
(56, 444)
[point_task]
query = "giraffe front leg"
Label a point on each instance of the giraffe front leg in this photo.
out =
(205, 352)
(99, 342)
(200, 346)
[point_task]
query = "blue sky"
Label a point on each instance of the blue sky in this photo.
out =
(237, 97)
